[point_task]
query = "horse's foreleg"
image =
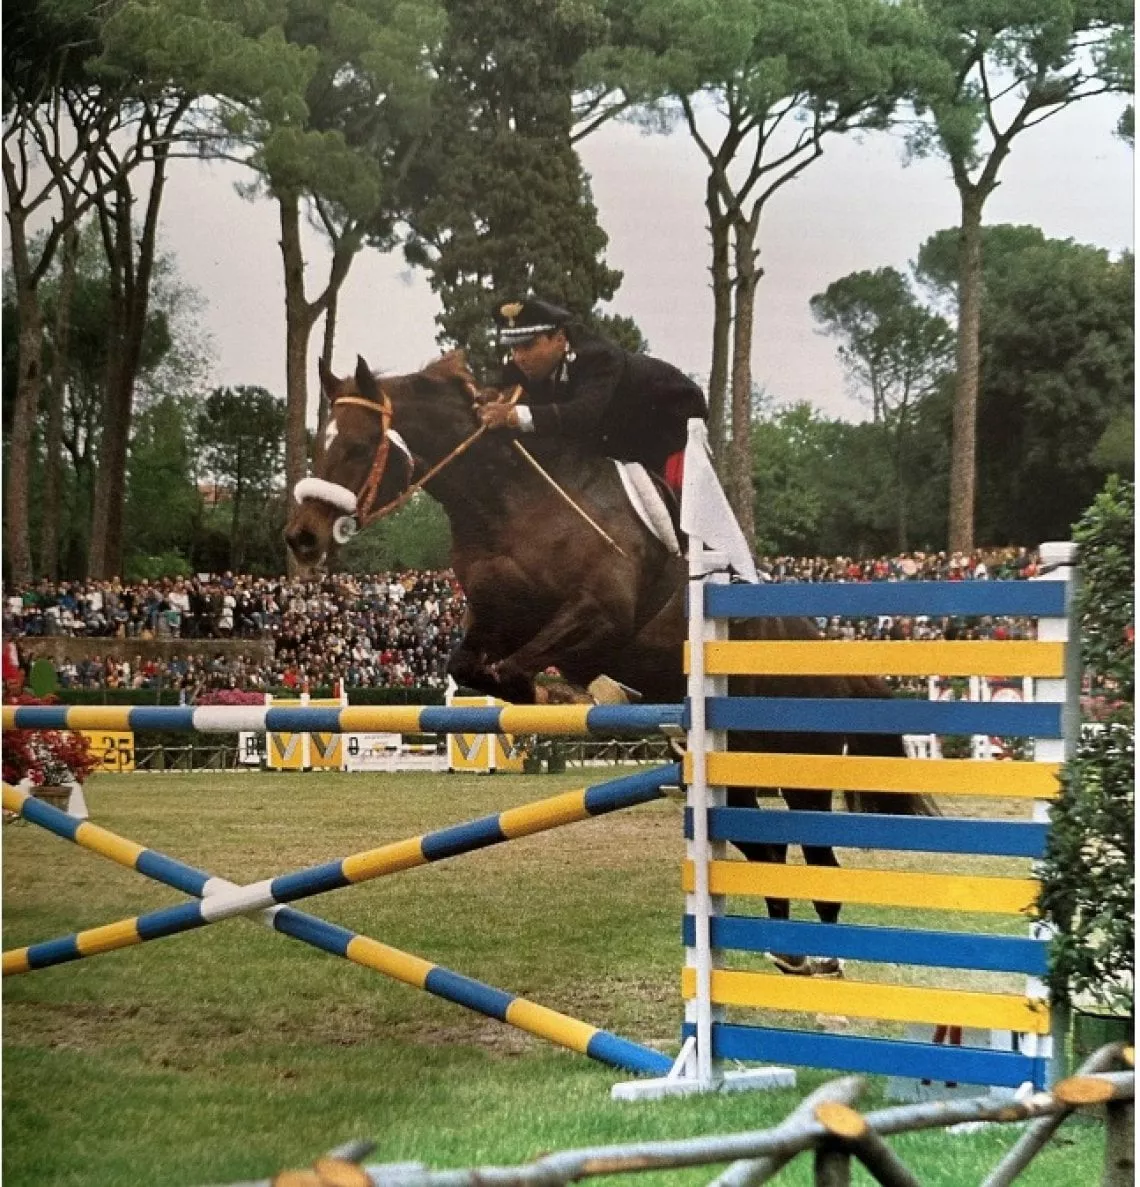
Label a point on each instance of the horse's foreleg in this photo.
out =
(470, 666)
(577, 640)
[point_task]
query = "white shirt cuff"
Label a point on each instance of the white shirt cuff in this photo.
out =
(526, 421)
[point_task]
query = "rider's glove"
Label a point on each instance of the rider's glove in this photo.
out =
(498, 416)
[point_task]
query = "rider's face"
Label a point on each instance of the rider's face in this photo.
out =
(537, 358)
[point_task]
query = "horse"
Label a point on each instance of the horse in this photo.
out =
(587, 589)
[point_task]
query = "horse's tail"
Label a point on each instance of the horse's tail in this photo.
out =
(892, 803)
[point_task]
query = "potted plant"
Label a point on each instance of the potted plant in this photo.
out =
(48, 761)
(1088, 882)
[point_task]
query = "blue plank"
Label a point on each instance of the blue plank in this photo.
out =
(621, 1053)
(310, 930)
(161, 717)
(460, 719)
(1001, 838)
(465, 991)
(462, 838)
(306, 719)
(40, 717)
(628, 790)
(885, 1057)
(867, 599)
(880, 716)
(631, 719)
(884, 945)
(303, 883)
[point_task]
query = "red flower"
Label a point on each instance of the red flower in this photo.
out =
(45, 756)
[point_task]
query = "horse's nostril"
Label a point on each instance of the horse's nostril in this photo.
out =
(301, 540)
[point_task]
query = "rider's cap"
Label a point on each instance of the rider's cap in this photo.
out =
(520, 322)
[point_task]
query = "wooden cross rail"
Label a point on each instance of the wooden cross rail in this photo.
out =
(825, 1123)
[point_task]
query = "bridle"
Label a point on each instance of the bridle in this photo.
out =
(358, 506)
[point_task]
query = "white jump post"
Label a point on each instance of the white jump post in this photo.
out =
(1058, 561)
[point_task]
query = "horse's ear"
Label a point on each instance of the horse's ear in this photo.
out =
(365, 380)
(330, 385)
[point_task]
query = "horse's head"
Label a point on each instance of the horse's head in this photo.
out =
(364, 466)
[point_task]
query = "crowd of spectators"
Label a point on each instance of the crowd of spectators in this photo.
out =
(387, 629)
(382, 630)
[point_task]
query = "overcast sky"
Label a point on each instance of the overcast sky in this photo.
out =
(858, 207)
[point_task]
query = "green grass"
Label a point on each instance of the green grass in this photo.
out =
(231, 1052)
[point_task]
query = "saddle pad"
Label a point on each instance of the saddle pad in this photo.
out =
(646, 501)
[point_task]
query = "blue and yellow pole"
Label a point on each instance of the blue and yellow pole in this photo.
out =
(435, 979)
(539, 816)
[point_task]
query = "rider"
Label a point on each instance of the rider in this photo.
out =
(582, 386)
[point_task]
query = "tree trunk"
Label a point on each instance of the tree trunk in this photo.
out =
(722, 325)
(237, 546)
(902, 495)
(28, 383)
(741, 493)
(299, 319)
(963, 447)
(328, 342)
(57, 386)
(29, 379)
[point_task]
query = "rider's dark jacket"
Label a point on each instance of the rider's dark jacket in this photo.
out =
(624, 405)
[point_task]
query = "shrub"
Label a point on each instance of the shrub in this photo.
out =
(1088, 874)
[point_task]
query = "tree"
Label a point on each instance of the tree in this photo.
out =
(782, 75)
(241, 433)
(1008, 66)
(50, 124)
(172, 57)
(504, 207)
(367, 118)
(163, 505)
(75, 296)
(896, 353)
(92, 94)
(1056, 376)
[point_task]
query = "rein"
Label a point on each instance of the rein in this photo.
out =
(368, 491)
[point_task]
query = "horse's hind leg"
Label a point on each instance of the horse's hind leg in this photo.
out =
(776, 854)
(818, 855)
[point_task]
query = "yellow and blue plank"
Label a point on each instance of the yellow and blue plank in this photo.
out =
(845, 772)
(553, 812)
(885, 1057)
(824, 715)
(401, 966)
(886, 888)
(924, 947)
(607, 720)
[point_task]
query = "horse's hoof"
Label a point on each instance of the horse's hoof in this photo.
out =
(794, 966)
(826, 966)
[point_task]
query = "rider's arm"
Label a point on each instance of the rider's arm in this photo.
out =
(594, 376)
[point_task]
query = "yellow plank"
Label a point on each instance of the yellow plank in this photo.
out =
(549, 1024)
(544, 719)
(568, 808)
(401, 966)
(110, 845)
(885, 658)
(888, 888)
(394, 719)
(866, 999)
(934, 776)
(116, 718)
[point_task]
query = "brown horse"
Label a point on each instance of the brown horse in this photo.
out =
(544, 587)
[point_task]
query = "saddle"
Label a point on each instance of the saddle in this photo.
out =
(655, 504)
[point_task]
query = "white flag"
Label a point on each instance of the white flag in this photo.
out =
(705, 513)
